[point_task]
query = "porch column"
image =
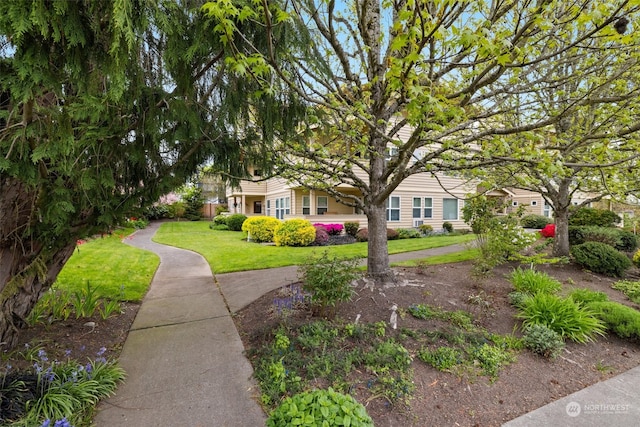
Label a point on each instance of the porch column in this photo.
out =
(243, 209)
(312, 202)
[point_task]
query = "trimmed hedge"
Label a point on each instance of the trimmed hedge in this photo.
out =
(534, 221)
(619, 239)
(235, 221)
(600, 258)
(294, 232)
(593, 217)
(261, 228)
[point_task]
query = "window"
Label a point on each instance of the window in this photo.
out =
(282, 207)
(393, 208)
(514, 203)
(268, 207)
(257, 207)
(534, 203)
(257, 172)
(547, 210)
(306, 205)
(391, 153)
(422, 207)
(323, 205)
(450, 209)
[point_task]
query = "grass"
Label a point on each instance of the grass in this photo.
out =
(465, 255)
(114, 269)
(228, 251)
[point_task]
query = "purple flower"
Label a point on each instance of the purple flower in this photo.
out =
(46, 423)
(102, 351)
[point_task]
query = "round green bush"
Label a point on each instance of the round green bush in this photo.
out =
(623, 320)
(425, 229)
(600, 258)
(235, 221)
(447, 226)
(220, 219)
(408, 233)
(593, 217)
(534, 221)
(543, 340)
(294, 232)
(351, 228)
(320, 408)
(636, 258)
(261, 228)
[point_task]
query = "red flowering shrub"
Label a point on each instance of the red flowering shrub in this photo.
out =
(332, 229)
(548, 231)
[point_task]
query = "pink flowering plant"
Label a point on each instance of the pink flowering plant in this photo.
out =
(332, 229)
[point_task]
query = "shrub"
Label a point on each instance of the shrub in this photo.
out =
(630, 288)
(294, 232)
(447, 226)
(636, 258)
(235, 221)
(425, 229)
(351, 228)
(176, 210)
(408, 233)
(517, 299)
(531, 282)
(534, 221)
(320, 408)
(194, 201)
(219, 227)
(620, 239)
(363, 234)
(586, 296)
(543, 341)
(600, 258)
(157, 211)
(220, 219)
(392, 234)
(622, 320)
(328, 280)
(628, 241)
(220, 209)
(548, 231)
(593, 217)
(261, 228)
(563, 315)
(322, 237)
(332, 229)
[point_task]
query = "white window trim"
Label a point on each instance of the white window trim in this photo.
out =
(457, 209)
(389, 209)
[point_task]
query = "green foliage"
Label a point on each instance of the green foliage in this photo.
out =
(564, 316)
(600, 258)
(219, 227)
(261, 228)
(619, 239)
(630, 288)
(220, 220)
(408, 233)
(534, 221)
(447, 226)
(531, 282)
(193, 203)
(636, 258)
(422, 311)
(543, 340)
(86, 302)
(328, 280)
(593, 217)
(586, 296)
(499, 238)
(236, 221)
(442, 358)
(517, 299)
(624, 321)
(294, 232)
(177, 210)
(320, 408)
(351, 228)
(220, 209)
(425, 229)
(492, 358)
(157, 211)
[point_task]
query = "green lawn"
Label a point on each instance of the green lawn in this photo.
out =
(115, 269)
(228, 251)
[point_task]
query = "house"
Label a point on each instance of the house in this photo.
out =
(420, 199)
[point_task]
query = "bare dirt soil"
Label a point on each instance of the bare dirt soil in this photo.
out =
(440, 398)
(446, 399)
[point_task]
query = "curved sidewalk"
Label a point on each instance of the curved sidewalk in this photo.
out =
(185, 363)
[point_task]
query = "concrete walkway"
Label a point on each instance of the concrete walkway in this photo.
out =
(185, 363)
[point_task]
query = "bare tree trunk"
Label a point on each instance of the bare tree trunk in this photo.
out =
(27, 267)
(561, 206)
(378, 253)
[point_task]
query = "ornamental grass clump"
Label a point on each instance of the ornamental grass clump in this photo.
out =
(531, 282)
(564, 316)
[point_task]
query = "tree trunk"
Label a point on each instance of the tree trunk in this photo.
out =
(378, 253)
(561, 206)
(27, 267)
